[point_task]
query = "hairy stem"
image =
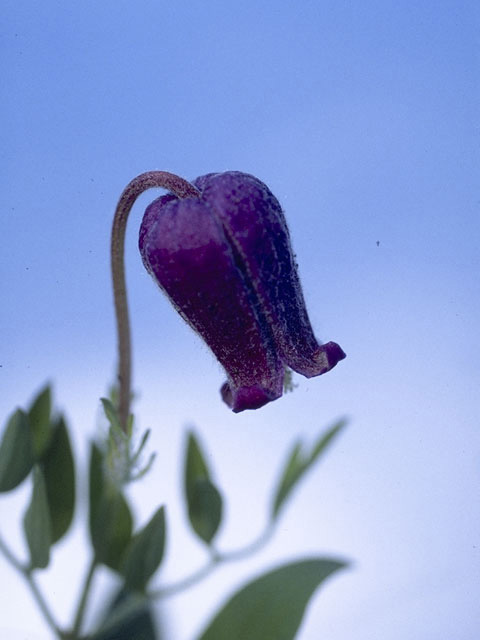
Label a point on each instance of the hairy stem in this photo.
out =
(137, 186)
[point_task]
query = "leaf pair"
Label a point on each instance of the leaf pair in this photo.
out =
(25, 439)
(35, 440)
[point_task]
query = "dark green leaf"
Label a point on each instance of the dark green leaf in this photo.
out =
(96, 483)
(205, 510)
(36, 523)
(298, 463)
(128, 618)
(144, 553)
(59, 472)
(195, 465)
(272, 606)
(110, 517)
(39, 416)
(16, 451)
(111, 527)
(204, 502)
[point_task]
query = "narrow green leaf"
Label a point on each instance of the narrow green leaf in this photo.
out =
(292, 471)
(112, 416)
(39, 415)
(59, 472)
(204, 502)
(298, 463)
(36, 523)
(111, 527)
(128, 618)
(205, 510)
(16, 451)
(144, 553)
(325, 440)
(272, 606)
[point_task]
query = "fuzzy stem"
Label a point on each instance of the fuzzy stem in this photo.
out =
(137, 186)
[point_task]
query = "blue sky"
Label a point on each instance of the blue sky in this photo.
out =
(363, 120)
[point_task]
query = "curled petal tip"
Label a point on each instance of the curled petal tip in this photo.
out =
(244, 398)
(332, 354)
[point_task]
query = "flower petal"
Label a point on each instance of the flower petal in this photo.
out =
(184, 248)
(256, 229)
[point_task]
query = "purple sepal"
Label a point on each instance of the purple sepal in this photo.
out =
(226, 263)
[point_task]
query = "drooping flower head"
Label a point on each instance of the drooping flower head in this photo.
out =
(225, 261)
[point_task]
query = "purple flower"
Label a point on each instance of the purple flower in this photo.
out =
(226, 263)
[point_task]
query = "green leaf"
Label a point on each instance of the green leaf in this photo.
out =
(127, 618)
(204, 502)
(39, 416)
(36, 523)
(96, 481)
(114, 420)
(144, 553)
(59, 472)
(272, 606)
(16, 451)
(195, 465)
(205, 510)
(112, 525)
(298, 463)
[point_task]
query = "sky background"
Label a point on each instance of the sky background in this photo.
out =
(362, 117)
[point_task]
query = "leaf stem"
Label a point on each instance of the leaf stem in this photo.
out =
(26, 572)
(137, 601)
(137, 186)
(83, 599)
(215, 560)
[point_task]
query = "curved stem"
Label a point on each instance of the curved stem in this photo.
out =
(136, 602)
(137, 186)
(215, 560)
(189, 581)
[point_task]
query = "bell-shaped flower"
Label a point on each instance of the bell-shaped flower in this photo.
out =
(225, 261)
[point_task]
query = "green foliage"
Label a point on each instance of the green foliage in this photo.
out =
(205, 510)
(272, 606)
(36, 523)
(59, 472)
(204, 502)
(39, 415)
(96, 481)
(122, 460)
(145, 552)
(112, 527)
(16, 451)
(111, 521)
(139, 625)
(268, 608)
(112, 416)
(298, 463)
